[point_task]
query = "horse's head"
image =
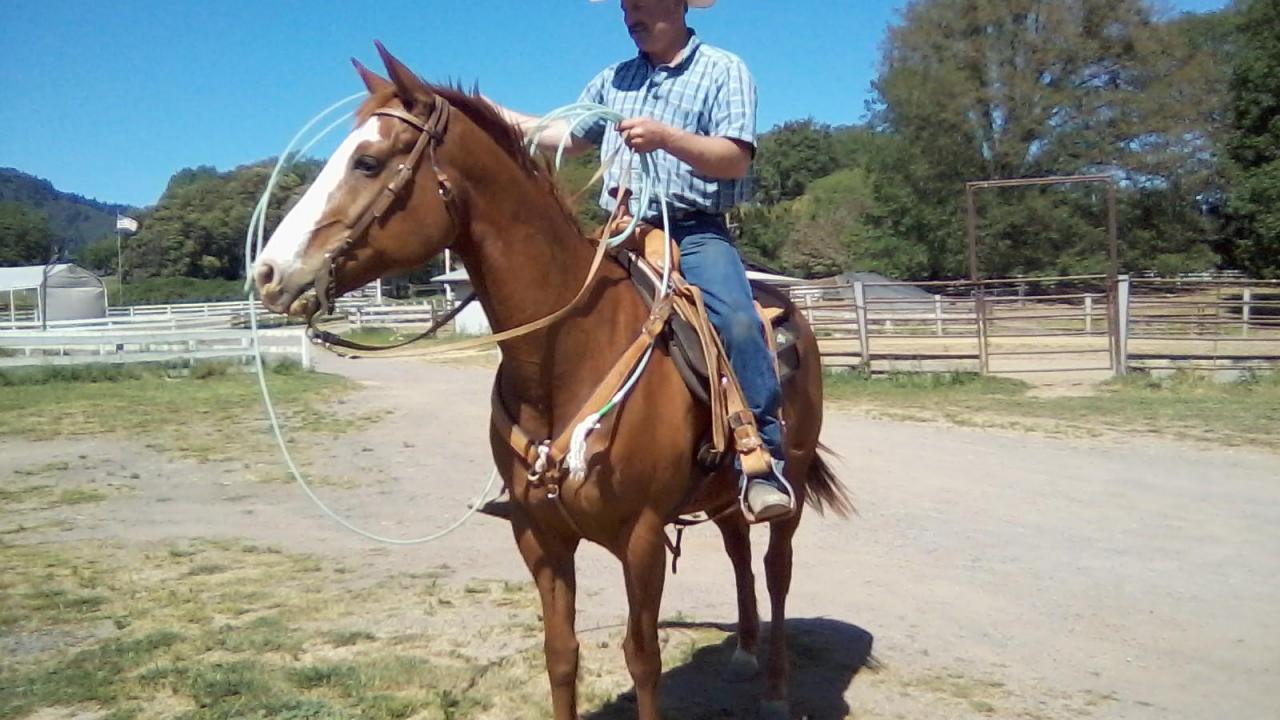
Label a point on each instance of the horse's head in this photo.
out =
(349, 227)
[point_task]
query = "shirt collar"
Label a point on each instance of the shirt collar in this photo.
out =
(683, 57)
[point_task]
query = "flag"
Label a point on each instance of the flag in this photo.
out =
(126, 224)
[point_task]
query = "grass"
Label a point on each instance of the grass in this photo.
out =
(158, 633)
(213, 413)
(45, 496)
(214, 631)
(1183, 405)
(371, 335)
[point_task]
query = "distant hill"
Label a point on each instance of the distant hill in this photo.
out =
(75, 220)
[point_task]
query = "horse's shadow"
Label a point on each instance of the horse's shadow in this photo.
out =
(825, 656)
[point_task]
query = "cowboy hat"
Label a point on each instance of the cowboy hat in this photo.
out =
(692, 3)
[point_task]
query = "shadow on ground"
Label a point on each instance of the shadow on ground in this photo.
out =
(826, 654)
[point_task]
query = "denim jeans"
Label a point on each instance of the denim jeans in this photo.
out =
(709, 260)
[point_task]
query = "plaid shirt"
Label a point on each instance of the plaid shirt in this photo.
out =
(708, 91)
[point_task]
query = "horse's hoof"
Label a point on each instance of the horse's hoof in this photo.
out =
(742, 666)
(775, 710)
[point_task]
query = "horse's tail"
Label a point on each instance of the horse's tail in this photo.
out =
(825, 491)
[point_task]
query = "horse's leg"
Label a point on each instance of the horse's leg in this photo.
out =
(737, 544)
(644, 568)
(777, 572)
(550, 560)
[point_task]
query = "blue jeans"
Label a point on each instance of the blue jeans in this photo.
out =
(709, 260)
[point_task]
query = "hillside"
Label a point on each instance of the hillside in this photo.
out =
(74, 219)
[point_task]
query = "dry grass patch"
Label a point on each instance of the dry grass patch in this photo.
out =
(209, 415)
(217, 630)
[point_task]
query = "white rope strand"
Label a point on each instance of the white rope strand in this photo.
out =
(256, 231)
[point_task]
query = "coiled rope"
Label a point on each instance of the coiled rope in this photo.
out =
(256, 231)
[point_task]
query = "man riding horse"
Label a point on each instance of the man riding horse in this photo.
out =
(692, 106)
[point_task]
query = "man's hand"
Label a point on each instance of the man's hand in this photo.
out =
(717, 157)
(644, 135)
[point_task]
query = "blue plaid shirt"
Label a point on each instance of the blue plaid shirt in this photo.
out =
(708, 91)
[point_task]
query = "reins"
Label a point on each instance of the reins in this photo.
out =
(433, 129)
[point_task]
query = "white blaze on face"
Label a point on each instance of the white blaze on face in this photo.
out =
(285, 247)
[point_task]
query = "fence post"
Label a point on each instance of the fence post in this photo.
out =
(1246, 297)
(1088, 314)
(980, 319)
(937, 313)
(1122, 325)
(306, 350)
(860, 311)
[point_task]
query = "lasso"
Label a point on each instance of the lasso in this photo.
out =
(573, 116)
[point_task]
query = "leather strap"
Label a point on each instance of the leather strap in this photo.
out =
(601, 248)
(558, 448)
(432, 130)
(331, 340)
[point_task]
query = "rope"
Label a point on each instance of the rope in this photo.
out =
(574, 116)
(256, 230)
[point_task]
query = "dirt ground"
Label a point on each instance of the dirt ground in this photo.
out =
(992, 574)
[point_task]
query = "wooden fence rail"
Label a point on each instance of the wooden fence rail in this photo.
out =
(1040, 325)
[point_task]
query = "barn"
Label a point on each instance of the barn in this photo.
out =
(60, 291)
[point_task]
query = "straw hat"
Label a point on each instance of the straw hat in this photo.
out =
(692, 3)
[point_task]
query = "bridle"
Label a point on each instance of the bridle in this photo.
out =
(431, 129)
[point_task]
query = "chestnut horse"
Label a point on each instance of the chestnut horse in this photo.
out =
(429, 168)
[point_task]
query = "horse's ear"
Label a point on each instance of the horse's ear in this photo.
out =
(372, 80)
(412, 91)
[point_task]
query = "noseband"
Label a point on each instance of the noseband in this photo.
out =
(432, 129)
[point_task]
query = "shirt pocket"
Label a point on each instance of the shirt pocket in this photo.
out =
(681, 108)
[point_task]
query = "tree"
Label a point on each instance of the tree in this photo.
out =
(1254, 144)
(25, 237)
(99, 256)
(979, 89)
(790, 157)
(198, 227)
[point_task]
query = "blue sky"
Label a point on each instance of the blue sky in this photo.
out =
(109, 100)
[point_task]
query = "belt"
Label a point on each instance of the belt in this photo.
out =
(681, 216)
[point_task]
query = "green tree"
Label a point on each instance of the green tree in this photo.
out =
(25, 237)
(198, 227)
(978, 89)
(791, 156)
(99, 256)
(1254, 144)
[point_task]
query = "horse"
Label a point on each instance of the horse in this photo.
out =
(431, 167)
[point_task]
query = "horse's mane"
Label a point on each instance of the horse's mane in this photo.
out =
(506, 136)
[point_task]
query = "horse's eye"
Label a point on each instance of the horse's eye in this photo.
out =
(367, 164)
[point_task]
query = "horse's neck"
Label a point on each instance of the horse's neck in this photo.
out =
(527, 260)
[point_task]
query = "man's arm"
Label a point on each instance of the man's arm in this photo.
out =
(718, 157)
(550, 137)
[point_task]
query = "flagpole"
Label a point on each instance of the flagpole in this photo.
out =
(119, 265)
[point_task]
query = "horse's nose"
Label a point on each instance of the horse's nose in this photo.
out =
(264, 275)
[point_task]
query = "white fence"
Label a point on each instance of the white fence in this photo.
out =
(182, 332)
(52, 347)
(417, 313)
